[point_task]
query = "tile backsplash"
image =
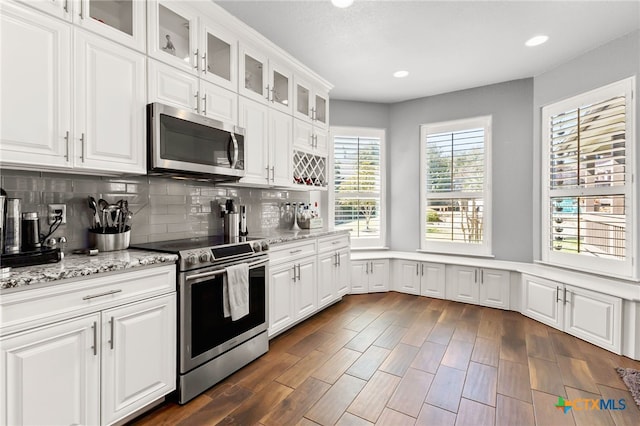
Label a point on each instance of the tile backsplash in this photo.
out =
(163, 208)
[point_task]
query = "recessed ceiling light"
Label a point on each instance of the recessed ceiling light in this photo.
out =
(537, 40)
(342, 3)
(400, 74)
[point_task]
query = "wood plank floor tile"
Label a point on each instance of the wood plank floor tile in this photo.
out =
(390, 417)
(349, 419)
(458, 354)
(172, 414)
(481, 384)
(306, 422)
(486, 351)
(257, 380)
(601, 370)
(472, 413)
(365, 338)
(513, 348)
(255, 407)
(451, 312)
(430, 416)
(331, 370)
(390, 337)
(514, 381)
(298, 373)
(532, 326)
(566, 345)
(340, 338)
(511, 411)
(309, 343)
(411, 392)
(546, 413)
(465, 331)
(630, 416)
(399, 359)
(372, 399)
(490, 329)
(546, 376)
(335, 401)
(441, 333)
(540, 347)
(429, 357)
(368, 362)
(583, 412)
(576, 374)
(291, 409)
(471, 314)
(361, 321)
(420, 329)
(446, 388)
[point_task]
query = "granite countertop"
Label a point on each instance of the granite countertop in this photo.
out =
(81, 265)
(281, 236)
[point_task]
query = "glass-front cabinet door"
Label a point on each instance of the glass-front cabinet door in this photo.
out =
(172, 34)
(218, 56)
(253, 74)
(118, 20)
(280, 83)
(320, 109)
(302, 107)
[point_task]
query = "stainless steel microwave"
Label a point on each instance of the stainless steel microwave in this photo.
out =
(184, 144)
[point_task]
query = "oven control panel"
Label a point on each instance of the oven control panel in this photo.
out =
(196, 256)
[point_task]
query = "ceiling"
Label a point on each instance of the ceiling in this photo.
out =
(445, 45)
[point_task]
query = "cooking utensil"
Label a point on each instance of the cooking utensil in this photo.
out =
(96, 217)
(102, 205)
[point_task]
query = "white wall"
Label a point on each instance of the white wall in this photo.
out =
(606, 64)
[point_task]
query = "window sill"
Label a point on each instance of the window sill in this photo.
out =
(369, 248)
(445, 253)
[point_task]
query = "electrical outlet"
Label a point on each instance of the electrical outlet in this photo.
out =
(55, 210)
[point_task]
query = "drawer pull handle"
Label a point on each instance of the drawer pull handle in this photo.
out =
(335, 242)
(108, 293)
(95, 338)
(295, 251)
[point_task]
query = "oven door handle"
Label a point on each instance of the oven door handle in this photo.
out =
(205, 274)
(221, 271)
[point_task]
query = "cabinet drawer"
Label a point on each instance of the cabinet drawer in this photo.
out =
(333, 243)
(33, 307)
(286, 252)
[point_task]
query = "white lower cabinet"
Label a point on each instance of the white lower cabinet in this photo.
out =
(52, 375)
(488, 287)
(95, 368)
(589, 315)
(293, 293)
(334, 269)
(421, 278)
(369, 276)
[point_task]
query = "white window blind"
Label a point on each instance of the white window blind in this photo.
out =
(357, 176)
(455, 181)
(588, 196)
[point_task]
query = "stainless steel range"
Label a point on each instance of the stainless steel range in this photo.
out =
(211, 347)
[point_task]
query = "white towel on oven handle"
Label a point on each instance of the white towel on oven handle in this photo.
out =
(235, 291)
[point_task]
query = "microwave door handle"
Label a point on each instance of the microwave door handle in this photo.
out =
(233, 157)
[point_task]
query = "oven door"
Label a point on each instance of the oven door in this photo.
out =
(184, 142)
(203, 331)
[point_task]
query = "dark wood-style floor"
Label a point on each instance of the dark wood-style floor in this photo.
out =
(396, 359)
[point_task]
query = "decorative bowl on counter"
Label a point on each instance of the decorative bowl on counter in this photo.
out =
(110, 241)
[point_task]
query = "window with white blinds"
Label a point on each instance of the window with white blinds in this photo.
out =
(358, 170)
(587, 204)
(455, 159)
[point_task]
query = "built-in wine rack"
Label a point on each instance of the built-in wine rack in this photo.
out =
(309, 169)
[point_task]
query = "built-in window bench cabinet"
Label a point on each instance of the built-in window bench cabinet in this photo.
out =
(600, 310)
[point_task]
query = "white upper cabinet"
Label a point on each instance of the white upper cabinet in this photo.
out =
(173, 35)
(109, 106)
(311, 103)
(36, 114)
(219, 55)
(264, 79)
(119, 20)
